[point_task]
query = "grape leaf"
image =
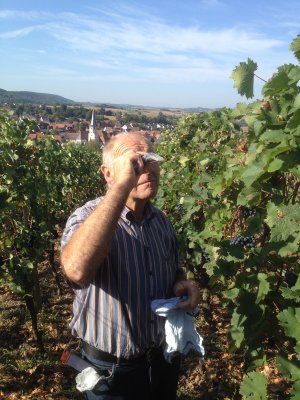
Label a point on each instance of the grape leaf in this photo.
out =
(243, 76)
(237, 329)
(289, 368)
(252, 172)
(263, 287)
(296, 391)
(290, 320)
(279, 82)
(254, 386)
(275, 165)
(294, 121)
(295, 47)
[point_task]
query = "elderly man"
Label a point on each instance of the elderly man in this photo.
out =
(120, 252)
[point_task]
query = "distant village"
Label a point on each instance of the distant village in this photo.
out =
(92, 131)
(98, 128)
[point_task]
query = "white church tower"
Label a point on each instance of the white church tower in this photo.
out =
(93, 135)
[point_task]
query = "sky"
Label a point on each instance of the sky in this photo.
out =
(160, 53)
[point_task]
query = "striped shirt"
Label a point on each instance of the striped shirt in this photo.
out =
(113, 312)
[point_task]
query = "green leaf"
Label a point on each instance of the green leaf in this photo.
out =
(254, 386)
(290, 321)
(296, 391)
(275, 165)
(279, 82)
(284, 222)
(297, 350)
(292, 293)
(294, 121)
(263, 287)
(294, 74)
(240, 110)
(273, 136)
(289, 368)
(295, 47)
(243, 76)
(297, 101)
(183, 160)
(249, 196)
(252, 172)
(237, 329)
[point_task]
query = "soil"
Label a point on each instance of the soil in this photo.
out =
(28, 373)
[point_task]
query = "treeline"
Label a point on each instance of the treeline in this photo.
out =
(73, 113)
(54, 113)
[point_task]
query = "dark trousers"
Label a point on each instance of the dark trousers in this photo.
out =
(150, 377)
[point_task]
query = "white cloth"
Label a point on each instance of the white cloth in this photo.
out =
(87, 379)
(181, 334)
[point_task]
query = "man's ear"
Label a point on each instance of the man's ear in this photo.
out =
(108, 176)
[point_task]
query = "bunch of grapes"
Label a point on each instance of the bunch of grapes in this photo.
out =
(205, 257)
(290, 278)
(246, 241)
(249, 212)
(180, 209)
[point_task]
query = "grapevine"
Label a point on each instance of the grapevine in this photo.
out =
(239, 197)
(40, 184)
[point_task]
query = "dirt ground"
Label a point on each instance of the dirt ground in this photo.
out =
(28, 373)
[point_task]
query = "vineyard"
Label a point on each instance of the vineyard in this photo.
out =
(230, 185)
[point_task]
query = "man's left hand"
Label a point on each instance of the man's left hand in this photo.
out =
(189, 289)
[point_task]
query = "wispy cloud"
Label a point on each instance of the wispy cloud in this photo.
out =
(138, 46)
(24, 15)
(17, 33)
(113, 30)
(94, 35)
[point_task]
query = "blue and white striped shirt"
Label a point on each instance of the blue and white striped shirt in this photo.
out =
(113, 312)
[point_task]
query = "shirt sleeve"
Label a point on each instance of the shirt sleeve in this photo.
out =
(76, 219)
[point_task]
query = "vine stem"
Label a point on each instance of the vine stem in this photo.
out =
(233, 219)
(295, 191)
(260, 78)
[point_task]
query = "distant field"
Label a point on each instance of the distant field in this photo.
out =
(151, 111)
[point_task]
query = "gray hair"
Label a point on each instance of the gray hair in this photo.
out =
(108, 155)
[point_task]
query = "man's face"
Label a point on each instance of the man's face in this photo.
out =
(147, 184)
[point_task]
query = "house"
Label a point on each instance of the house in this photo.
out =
(40, 135)
(75, 137)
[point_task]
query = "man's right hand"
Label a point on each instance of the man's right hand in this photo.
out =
(125, 170)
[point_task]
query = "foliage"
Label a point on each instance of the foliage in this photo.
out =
(40, 183)
(243, 76)
(230, 185)
(254, 387)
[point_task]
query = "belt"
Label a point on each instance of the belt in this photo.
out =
(103, 356)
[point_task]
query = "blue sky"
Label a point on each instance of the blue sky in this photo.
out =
(146, 52)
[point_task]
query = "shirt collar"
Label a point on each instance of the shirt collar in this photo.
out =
(128, 217)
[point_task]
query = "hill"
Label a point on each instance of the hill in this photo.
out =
(32, 97)
(7, 96)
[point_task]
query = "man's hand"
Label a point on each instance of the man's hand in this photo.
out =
(191, 290)
(125, 170)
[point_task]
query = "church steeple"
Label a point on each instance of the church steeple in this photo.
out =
(93, 128)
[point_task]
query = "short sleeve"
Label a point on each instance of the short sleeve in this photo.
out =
(76, 219)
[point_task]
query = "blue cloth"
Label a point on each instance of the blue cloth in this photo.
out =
(180, 331)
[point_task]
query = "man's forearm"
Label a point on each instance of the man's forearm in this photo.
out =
(89, 245)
